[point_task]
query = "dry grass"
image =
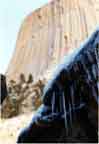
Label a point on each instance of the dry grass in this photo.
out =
(10, 128)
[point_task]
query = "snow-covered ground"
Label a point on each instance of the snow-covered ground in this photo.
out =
(10, 128)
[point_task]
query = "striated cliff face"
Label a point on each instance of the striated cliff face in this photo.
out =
(49, 33)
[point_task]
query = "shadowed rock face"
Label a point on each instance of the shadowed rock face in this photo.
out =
(3, 89)
(49, 33)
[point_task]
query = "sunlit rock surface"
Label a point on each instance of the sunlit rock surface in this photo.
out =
(49, 33)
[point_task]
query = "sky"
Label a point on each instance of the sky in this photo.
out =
(12, 13)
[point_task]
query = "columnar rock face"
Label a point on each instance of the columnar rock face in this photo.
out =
(49, 33)
(96, 5)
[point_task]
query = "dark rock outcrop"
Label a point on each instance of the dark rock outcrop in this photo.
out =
(3, 88)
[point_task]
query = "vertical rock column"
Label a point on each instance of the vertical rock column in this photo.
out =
(49, 33)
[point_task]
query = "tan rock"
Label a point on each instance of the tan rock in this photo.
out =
(49, 33)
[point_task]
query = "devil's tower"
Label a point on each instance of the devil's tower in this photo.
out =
(47, 34)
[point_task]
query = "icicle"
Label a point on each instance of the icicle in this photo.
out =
(89, 75)
(94, 72)
(97, 53)
(61, 105)
(72, 98)
(70, 113)
(90, 58)
(95, 94)
(53, 103)
(65, 113)
(83, 64)
(98, 90)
